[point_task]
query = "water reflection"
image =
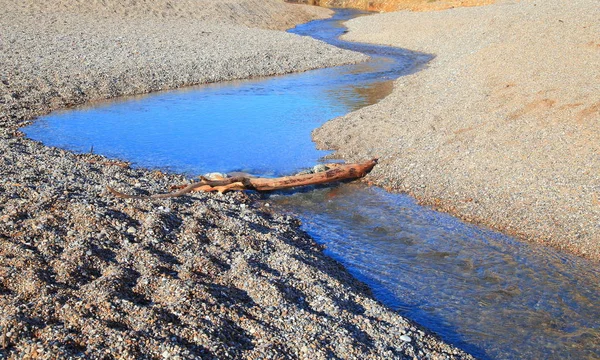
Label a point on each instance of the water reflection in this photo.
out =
(483, 291)
(263, 125)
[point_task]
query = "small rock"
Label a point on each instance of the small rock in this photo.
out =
(215, 176)
(320, 168)
(405, 338)
(131, 230)
(306, 172)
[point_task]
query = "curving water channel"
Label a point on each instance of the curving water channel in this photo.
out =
(480, 290)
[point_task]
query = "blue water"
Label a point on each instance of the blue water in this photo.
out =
(485, 292)
(261, 126)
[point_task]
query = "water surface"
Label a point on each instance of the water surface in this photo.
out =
(261, 126)
(483, 291)
(480, 290)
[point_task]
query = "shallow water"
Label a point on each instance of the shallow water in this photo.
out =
(261, 126)
(480, 290)
(483, 291)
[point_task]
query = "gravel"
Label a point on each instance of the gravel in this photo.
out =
(87, 275)
(501, 128)
(53, 59)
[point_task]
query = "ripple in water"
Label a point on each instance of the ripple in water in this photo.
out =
(483, 291)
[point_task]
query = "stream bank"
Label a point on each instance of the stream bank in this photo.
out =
(472, 286)
(394, 5)
(502, 127)
(84, 275)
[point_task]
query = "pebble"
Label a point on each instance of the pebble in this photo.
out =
(557, 182)
(184, 278)
(320, 168)
(405, 338)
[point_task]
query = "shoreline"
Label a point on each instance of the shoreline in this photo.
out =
(500, 129)
(83, 274)
(207, 56)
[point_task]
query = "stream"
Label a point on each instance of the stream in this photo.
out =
(485, 292)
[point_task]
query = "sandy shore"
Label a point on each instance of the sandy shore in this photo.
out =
(86, 275)
(501, 128)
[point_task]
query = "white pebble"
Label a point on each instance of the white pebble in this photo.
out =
(405, 338)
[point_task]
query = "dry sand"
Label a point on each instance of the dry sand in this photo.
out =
(86, 275)
(501, 128)
(395, 5)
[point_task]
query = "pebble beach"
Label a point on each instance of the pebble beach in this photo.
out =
(86, 275)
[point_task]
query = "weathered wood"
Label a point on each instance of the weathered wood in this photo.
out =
(336, 172)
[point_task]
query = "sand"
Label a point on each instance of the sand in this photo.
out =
(501, 128)
(396, 5)
(86, 275)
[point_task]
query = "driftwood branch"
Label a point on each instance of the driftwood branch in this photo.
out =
(335, 172)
